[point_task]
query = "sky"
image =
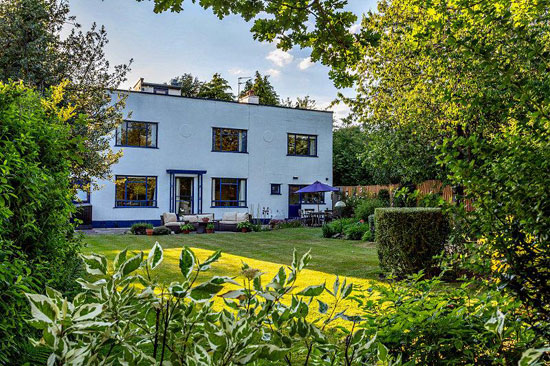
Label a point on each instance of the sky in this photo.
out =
(195, 41)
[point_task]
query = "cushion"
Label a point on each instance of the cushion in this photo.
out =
(229, 222)
(242, 216)
(190, 218)
(169, 217)
(173, 224)
(229, 216)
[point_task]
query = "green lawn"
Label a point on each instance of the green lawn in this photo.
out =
(342, 257)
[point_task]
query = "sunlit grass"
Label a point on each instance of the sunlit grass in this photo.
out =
(266, 251)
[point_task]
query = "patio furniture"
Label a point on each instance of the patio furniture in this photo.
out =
(197, 220)
(230, 220)
(170, 220)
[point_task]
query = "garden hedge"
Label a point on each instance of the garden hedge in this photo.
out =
(408, 238)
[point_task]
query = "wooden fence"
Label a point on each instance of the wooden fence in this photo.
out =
(426, 187)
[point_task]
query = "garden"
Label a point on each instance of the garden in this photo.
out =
(400, 279)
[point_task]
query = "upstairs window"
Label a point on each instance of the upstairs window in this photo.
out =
(160, 90)
(229, 140)
(135, 191)
(137, 134)
(302, 145)
(228, 192)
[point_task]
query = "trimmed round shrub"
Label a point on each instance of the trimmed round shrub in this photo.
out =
(366, 207)
(356, 231)
(139, 228)
(408, 238)
(161, 230)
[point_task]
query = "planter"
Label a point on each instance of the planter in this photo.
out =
(149, 232)
(244, 230)
(210, 231)
(205, 219)
(186, 231)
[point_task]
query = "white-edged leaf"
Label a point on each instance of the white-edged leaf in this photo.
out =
(532, 355)
(87, 312)
(131, 264)
(314, 290)
(96, 264)
(43, 308)
(187, 261)
(119, 259)
(213, 258)
(156, 255)
(323, 307)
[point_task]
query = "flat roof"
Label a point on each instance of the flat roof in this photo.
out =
(217, 100)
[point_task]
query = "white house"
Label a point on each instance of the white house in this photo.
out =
(190, 155)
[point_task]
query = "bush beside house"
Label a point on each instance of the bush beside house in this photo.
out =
(408, 238)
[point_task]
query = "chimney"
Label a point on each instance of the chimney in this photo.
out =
(250, 98)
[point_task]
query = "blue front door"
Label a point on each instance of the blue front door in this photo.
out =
(294, 201)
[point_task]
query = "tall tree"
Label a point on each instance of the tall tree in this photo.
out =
(347, 164)
(302, 103)
(190, 85)
(34, 51)
(216, 88)
(263, 89)
(442, 66)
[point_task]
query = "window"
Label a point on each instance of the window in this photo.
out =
(136, 191)
(228, 140)
(302, 145)
(82, 192)
(313, 198)
(228, 192)
(138, 134)
(160, 90)
(275, 188)
(305, 198)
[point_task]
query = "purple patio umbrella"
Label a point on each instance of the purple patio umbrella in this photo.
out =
(317, 187)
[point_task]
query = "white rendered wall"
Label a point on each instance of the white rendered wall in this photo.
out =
(185, 143)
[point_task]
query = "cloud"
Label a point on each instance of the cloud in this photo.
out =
(306, 63)
(280, 57)
(238, 71)
(274, 72)
(340, 110)
(355, 28)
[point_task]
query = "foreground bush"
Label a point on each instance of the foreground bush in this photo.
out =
(408, 238)
(37, 247)
(114, 322)
(428, 323)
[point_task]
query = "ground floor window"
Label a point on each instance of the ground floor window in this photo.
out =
(275, 188)
(305, 198)
(228, 192)
(136, 191)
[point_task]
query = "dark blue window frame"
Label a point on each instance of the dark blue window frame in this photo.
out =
(217, 187)
(291, 148)
(148, 125)
(138, 203)
(275, 188)
(232, 132)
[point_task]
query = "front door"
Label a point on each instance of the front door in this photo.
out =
(184, 195)
(294, 201)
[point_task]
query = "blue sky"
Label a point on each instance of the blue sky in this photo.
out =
(196, 41)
